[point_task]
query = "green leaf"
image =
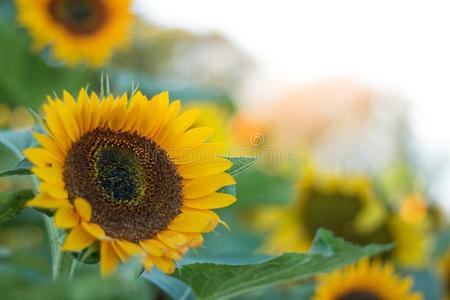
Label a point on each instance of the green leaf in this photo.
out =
(176, 289)
(22, 168)
(240, 164)
(12, 143)
(9, 155)
(12, 203)
(219, 281)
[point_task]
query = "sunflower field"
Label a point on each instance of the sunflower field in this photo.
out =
(131, 167)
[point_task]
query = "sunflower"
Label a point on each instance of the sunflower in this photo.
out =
(79, 30)
(132, 175)
(346, 205)
(365, 281)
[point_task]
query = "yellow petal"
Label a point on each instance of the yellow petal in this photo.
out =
(203, 153)
(68, 119)
(55, 124)
(193, 137)
(153, 247)
(162, 104)
(137, 98)
(172, 112)
(117, 118)
(104, 110)
(203, 186)
(158, 108)
(195, 239)
(135, 112)
(214, 200)
(179, 126)
(52, 175)
(54, 190)
(83, 108)
(168, 122)
(69, 100)
(214, 166)
(95, 230)
(124, 256)
(47, 142)
(130, 248)
(164, 264)
(193, 220)
(145, 117)
(72, 108)
(183, 250)
(77, 239)
(43, 158)
(48, 202)
(173, 239)
(108, 258)
(174, 254)
(185, 121)
(66, 217)
(84, 208)
(94, 111)
(148, 263)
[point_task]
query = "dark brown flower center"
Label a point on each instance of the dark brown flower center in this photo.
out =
(337, 211)
(79, 16)
(131, 184)
(331, 210)
(359, 295)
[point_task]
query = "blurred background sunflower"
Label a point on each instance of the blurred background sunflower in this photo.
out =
(74, 28)
(344, 204)
(350, 206)
(365, 281)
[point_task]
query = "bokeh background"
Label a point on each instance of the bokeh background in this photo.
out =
(343, 103)
(393, 48)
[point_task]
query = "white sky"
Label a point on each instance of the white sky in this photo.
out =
(394, 45)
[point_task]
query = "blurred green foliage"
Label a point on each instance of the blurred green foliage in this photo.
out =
(29, 78)
(19, 283)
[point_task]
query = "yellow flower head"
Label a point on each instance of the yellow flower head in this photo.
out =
(365, 281)
(78, 30)
(132, 175)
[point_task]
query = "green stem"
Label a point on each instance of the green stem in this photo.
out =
(63, 264)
